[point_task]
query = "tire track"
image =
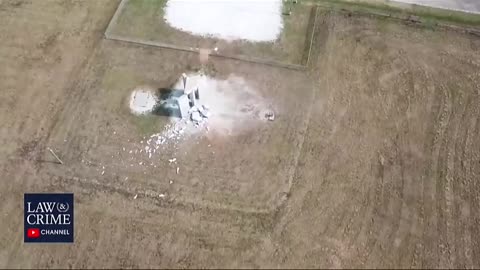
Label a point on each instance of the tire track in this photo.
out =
(458, 178)
(466, 164)
(431, 192)
(474, 188)
(450, 177)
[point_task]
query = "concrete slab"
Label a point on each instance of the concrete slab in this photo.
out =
(142, 101)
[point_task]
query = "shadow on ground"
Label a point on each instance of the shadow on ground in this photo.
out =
(167, 105)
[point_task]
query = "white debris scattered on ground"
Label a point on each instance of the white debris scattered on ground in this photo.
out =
(226, 107)
(142, 101)
(229, 20)
(173, 131)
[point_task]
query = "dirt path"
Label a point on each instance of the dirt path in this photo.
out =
(470, 6)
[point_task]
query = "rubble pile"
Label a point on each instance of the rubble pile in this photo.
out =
(233, 107)
(199, 114)
(174, 132)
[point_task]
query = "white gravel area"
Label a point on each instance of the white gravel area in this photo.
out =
(253, 20)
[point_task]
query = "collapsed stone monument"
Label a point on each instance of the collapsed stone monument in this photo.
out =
(188, 102)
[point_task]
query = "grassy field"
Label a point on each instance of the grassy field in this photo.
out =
(143, 20)
(372, 160)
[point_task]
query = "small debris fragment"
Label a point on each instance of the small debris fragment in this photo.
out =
(171, 182)
(161, 195)
(270, 116)
(414, 19)
(381, 159)
(172, 160)
(204, 111)
(178, 170)
(103, 172)
(135, 197)
(196, 117)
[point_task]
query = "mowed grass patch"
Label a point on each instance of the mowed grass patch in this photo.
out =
(143, 21)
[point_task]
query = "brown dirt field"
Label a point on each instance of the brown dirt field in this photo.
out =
(373, 159)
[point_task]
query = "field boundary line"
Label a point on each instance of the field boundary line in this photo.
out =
(172, 200)
(311, 29)
(114, 18)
